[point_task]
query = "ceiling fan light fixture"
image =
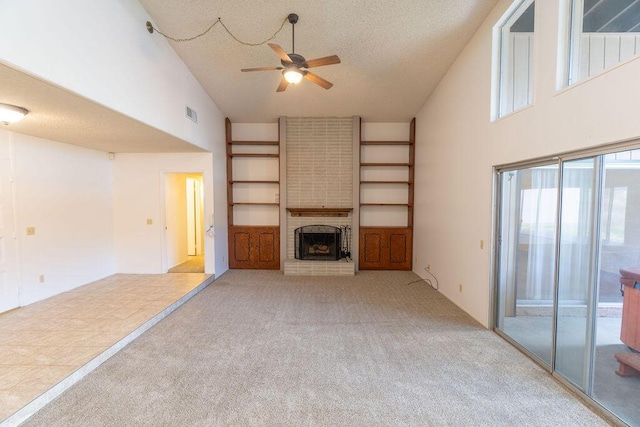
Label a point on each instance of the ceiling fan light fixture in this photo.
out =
(11, 113)
(292, 75)
(294, 66)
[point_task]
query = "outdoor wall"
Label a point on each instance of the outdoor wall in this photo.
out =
(65, 192)
(457, 147)
(139, 196)
(101, 50)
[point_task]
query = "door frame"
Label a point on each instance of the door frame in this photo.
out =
(12, 271)
(163, 219)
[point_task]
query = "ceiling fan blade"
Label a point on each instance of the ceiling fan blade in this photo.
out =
(261, 69)
(319, 62)
(280, 51)
(283, 85)
(317, 80)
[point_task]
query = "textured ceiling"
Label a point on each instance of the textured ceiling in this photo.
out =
(393, 52)
(59, 115)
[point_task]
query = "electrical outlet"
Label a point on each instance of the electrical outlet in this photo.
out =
(460, 285)
(149, 221)
(428, 267)
(31, 231)
(41, 278)
(481, 244)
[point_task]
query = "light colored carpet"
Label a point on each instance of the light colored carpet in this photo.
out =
(619, 395)
(195, 264)
(259, 348)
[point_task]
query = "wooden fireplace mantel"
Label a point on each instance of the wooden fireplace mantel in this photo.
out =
(320, 212)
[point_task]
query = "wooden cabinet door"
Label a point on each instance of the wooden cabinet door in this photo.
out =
(254, 247)
(371, 248)
(385, 248)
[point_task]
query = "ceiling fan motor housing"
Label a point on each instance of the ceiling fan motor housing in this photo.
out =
(298, 60)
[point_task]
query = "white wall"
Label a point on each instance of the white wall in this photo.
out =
(254, 131)
(65, 192)
(220, 230)
(139, 195)
(89, 213)
(457, 147)
(255, 169)
(100, 49)
(175, 220)
(385, 131)
(391, 216)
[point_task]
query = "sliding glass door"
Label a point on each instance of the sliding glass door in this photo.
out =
(576, 268)
(616, 353)
(528, 212)
(568, 272)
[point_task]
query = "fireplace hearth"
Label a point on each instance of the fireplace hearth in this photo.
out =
(318, 243)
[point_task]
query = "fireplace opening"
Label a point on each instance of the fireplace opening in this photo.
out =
(318, 242)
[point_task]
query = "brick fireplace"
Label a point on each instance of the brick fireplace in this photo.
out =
(319, 175)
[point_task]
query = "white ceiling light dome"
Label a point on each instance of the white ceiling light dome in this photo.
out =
(292, 75)
(11, 113)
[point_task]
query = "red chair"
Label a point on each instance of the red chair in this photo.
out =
(630, 330)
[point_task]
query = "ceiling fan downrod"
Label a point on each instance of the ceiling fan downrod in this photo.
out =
(293, 19)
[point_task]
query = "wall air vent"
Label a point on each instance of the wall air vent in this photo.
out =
(192, 114)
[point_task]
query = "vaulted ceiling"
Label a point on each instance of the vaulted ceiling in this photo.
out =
(393, 52)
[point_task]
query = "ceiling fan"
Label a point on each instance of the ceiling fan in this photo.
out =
(294, 66)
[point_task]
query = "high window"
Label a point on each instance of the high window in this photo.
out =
(516, 35)
(603, 33)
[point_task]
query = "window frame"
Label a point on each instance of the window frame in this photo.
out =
(501, 44)
(571, 74)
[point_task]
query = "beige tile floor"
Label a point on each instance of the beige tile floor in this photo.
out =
(43, 343)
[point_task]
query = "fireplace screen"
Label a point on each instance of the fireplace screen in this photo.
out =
(318, 242)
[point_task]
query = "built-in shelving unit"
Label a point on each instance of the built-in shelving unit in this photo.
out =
(255, 204)
(252, 154)
(256, 142)
(386, 164)
(255, 182)
(252, 246)
(384, 182)
(387, 246)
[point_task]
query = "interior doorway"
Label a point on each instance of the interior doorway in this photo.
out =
(194, 216)
(184, 223)
(9, 288)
